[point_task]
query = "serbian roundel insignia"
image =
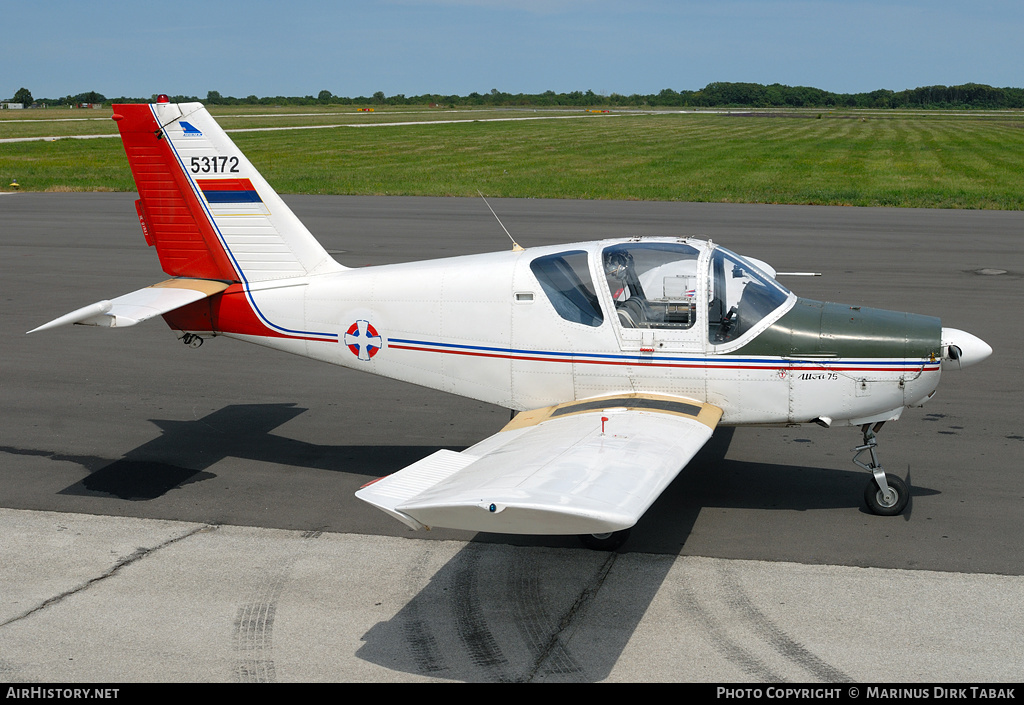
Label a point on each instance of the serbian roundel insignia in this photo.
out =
(363, 340)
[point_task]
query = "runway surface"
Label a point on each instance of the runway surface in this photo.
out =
(758, 563)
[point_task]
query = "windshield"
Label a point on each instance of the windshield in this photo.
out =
(741, 296)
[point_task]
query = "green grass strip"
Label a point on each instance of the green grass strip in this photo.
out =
(908, 160)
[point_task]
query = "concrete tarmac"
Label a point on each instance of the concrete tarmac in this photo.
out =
(173, 514)
(106, 599)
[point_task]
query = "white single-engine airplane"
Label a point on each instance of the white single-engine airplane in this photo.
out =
(622, 356)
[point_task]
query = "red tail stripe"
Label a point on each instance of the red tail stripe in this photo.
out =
(174, 221)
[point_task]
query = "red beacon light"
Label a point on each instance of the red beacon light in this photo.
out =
(162, 98)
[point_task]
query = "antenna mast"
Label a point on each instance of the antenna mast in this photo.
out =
(515, 245)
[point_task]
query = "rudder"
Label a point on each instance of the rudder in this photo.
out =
(203, 205)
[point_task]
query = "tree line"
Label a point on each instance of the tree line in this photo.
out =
(713, 95)
(24, 96)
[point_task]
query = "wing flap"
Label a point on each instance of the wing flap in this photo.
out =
(140, 305)
(579, 468)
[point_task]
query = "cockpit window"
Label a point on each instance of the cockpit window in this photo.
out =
(741, 296)
(566, 280)
(653, 284)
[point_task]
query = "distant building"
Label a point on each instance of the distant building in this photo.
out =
(11, 106)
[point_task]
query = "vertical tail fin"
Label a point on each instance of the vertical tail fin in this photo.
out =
(204, 206)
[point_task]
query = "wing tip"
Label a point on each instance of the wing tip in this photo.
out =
(77, 316)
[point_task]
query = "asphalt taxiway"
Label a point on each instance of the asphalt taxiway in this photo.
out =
(187, 514)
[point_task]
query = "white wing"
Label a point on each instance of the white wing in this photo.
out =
(584, 467)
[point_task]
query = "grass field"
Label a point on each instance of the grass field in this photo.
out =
(925, 159)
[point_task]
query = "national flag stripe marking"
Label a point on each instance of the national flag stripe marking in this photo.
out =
(228, 191)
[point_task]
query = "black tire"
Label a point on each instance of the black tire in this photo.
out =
(605, 542)
(876, 502)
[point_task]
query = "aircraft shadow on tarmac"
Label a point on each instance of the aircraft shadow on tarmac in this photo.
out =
(185, 450)
(493, 612)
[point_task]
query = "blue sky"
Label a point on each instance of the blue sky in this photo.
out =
(299, 47)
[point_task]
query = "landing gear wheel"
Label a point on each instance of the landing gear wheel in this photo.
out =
(887, 506)
(605, 542)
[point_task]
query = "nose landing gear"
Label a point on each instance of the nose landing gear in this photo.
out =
(885, 494)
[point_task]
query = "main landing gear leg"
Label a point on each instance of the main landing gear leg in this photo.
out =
(886, 495)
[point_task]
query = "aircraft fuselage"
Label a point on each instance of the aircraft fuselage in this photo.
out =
(524, 329)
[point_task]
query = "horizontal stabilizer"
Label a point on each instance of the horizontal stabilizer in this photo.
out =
(139, 305)
(579, 468)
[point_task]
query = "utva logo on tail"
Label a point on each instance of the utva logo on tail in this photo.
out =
(621, 356)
